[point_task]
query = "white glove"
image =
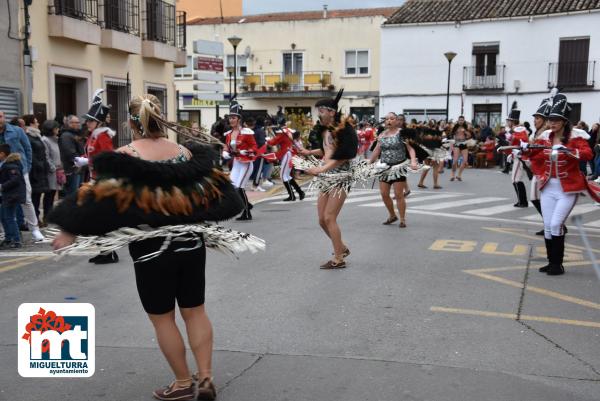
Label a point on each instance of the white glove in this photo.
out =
(243, 152)
(81, 161)
(509, 158)
(381, 166)
(225, 155)
(557, 147)
(524, 145)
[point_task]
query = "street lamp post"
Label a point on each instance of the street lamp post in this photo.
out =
(449, 56)
(229, 74)
(235, 41)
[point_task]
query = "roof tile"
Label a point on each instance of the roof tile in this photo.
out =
(297, 16)
(421, 11)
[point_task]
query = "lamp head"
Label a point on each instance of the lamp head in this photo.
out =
(450, 56)
(234, 40)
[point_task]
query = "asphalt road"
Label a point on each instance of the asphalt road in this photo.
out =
(450, 308)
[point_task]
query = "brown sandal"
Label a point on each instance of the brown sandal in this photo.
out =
(402, 224)
(332, 264)
(390, 220)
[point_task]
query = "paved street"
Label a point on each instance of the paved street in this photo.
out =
(450, 308)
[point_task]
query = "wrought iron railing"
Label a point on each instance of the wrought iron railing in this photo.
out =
(280, 81)
(571, 75)
(181, 29)
(122, 15)
(488, 77)
(85, 10)
(159, 22)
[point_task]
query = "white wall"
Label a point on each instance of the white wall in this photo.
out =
(413, 62)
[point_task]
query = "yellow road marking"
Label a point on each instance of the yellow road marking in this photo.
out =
(523, 267)
(513, 316)
(535, 237)
(451, 245)
(19, 259)
(538, 290)
(22, 263)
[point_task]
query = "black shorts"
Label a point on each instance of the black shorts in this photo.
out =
(462, 146)
(169, 277)
(400, 179)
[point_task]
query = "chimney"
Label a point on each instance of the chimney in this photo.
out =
(324, 10)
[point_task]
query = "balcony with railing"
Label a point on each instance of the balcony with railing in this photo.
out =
(483, 78)
(572, 75)
(159, 37)
(280, 84)
(75, 20)
(122, 26)
(181, 39)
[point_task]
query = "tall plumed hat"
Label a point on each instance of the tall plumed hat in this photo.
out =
(515, 113)
(330, 103)
(560, 107)
(544, 108)
(98, 111)
(235, 109)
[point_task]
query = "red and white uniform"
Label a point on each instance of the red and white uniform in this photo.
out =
(518, 134)
(559, 179)
(243, 149)
(365, 139)
(101, 140)
(284, 139)
(566, 167)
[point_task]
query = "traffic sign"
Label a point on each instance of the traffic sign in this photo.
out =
(208, 47)
(209, 64)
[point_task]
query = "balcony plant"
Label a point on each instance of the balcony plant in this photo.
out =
(263, 88)
(305, 88)
(252, 86)
(282, 86)
(323, 82)
(331, 87)
(244, 87)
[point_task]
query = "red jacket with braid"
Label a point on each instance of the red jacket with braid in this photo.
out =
(566, 167)
(284, 140)
(244, 141)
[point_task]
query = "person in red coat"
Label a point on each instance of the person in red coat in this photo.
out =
(518, 134)
(555, 158)
(241, 145)
(284, 139)
(100, 140)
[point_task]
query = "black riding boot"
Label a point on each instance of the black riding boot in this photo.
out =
(538, 206)
(548, 255)
(291, 196)
(522, 194)
(557, 255)
(517, 192)
(295, 185)
(105, 258)
(246, 215)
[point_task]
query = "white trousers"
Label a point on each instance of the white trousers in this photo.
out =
(517, 171)
(28, 210)
(556, 207)
(534, 189)
(286, 170)
(240, 173)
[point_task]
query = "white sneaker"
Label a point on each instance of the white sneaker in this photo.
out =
(267, 184)
(260, 189)
(37, 235)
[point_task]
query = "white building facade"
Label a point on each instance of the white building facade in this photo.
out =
(311, 54)
(498, 61)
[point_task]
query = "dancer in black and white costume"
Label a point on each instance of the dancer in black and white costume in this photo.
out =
(392, 150)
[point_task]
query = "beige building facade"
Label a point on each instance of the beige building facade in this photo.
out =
(210, 8)
(126, 47)
(291, 60)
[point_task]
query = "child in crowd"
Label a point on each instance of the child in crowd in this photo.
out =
(12, 187)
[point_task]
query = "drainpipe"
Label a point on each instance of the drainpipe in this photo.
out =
(27, 66)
